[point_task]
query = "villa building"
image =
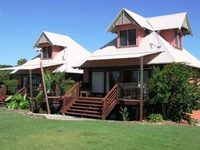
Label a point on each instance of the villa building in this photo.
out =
(116, 73)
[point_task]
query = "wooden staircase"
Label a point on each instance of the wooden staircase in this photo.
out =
(89, 107)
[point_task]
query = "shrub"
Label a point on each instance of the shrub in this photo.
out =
(124, 113)
(155, 117)
(4, 75)
(17, 102)
(11, 85)
(170, 90)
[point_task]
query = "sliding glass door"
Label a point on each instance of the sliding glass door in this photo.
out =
(98, 82)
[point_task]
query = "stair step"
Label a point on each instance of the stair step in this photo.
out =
(85, 108)
(84, 115)
(90, 98)
(88, 105)
(85, 111)
(88, 101)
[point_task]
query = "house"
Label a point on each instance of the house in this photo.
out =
(117, 72)
(59, 53)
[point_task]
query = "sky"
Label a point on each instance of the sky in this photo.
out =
(85, 21)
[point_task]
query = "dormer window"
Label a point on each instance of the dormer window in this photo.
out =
(127, 37)
(47, 52)
(177, 40)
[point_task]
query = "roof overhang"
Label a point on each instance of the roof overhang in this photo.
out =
(118, 61)
(25, 68)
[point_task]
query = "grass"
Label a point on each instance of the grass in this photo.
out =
(22, 132)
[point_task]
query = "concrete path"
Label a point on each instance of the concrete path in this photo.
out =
(57, 117)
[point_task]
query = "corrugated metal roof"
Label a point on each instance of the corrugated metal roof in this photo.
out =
(151, 44)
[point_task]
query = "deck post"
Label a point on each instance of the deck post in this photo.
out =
(141, 87)
(31, 89)
(43, 82)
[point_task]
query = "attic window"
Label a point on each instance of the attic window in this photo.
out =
(127, 37)
(47, 52)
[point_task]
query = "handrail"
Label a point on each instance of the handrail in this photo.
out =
(70, 97)
(21, 91)
(110, 101)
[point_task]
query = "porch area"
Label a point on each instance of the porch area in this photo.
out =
(100, 107)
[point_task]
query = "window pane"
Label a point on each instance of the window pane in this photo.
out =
(132, 37)
(123, 38)
(135, 76)
(98, 82)
(47, 52)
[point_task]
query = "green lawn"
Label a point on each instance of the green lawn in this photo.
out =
(22, 132)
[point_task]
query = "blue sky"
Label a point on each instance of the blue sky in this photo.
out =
(85, 21)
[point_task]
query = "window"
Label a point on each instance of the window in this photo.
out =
(134, 76)
(128, 37)
(47, 52)
(177, 40)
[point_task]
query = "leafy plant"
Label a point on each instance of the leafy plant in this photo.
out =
(66, 85)
(155, 117)
(56, 83)
(40, 97)
(49, 79)
(124, 113)
(171, 92)
(17, 102)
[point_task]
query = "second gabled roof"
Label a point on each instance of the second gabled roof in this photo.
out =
(127, 16)
(173, 21)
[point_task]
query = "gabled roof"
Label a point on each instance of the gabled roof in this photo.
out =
(127, 16)
(53, 39)
(173, 21)
(66, 59)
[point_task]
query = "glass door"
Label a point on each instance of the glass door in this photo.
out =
(98, 82)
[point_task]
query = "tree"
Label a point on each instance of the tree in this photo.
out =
(170, 90)
(21, 61)
(56, 83)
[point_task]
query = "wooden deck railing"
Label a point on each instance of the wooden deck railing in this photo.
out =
(70, 97)
(110, 101)
(2, 93)
(21, 91)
